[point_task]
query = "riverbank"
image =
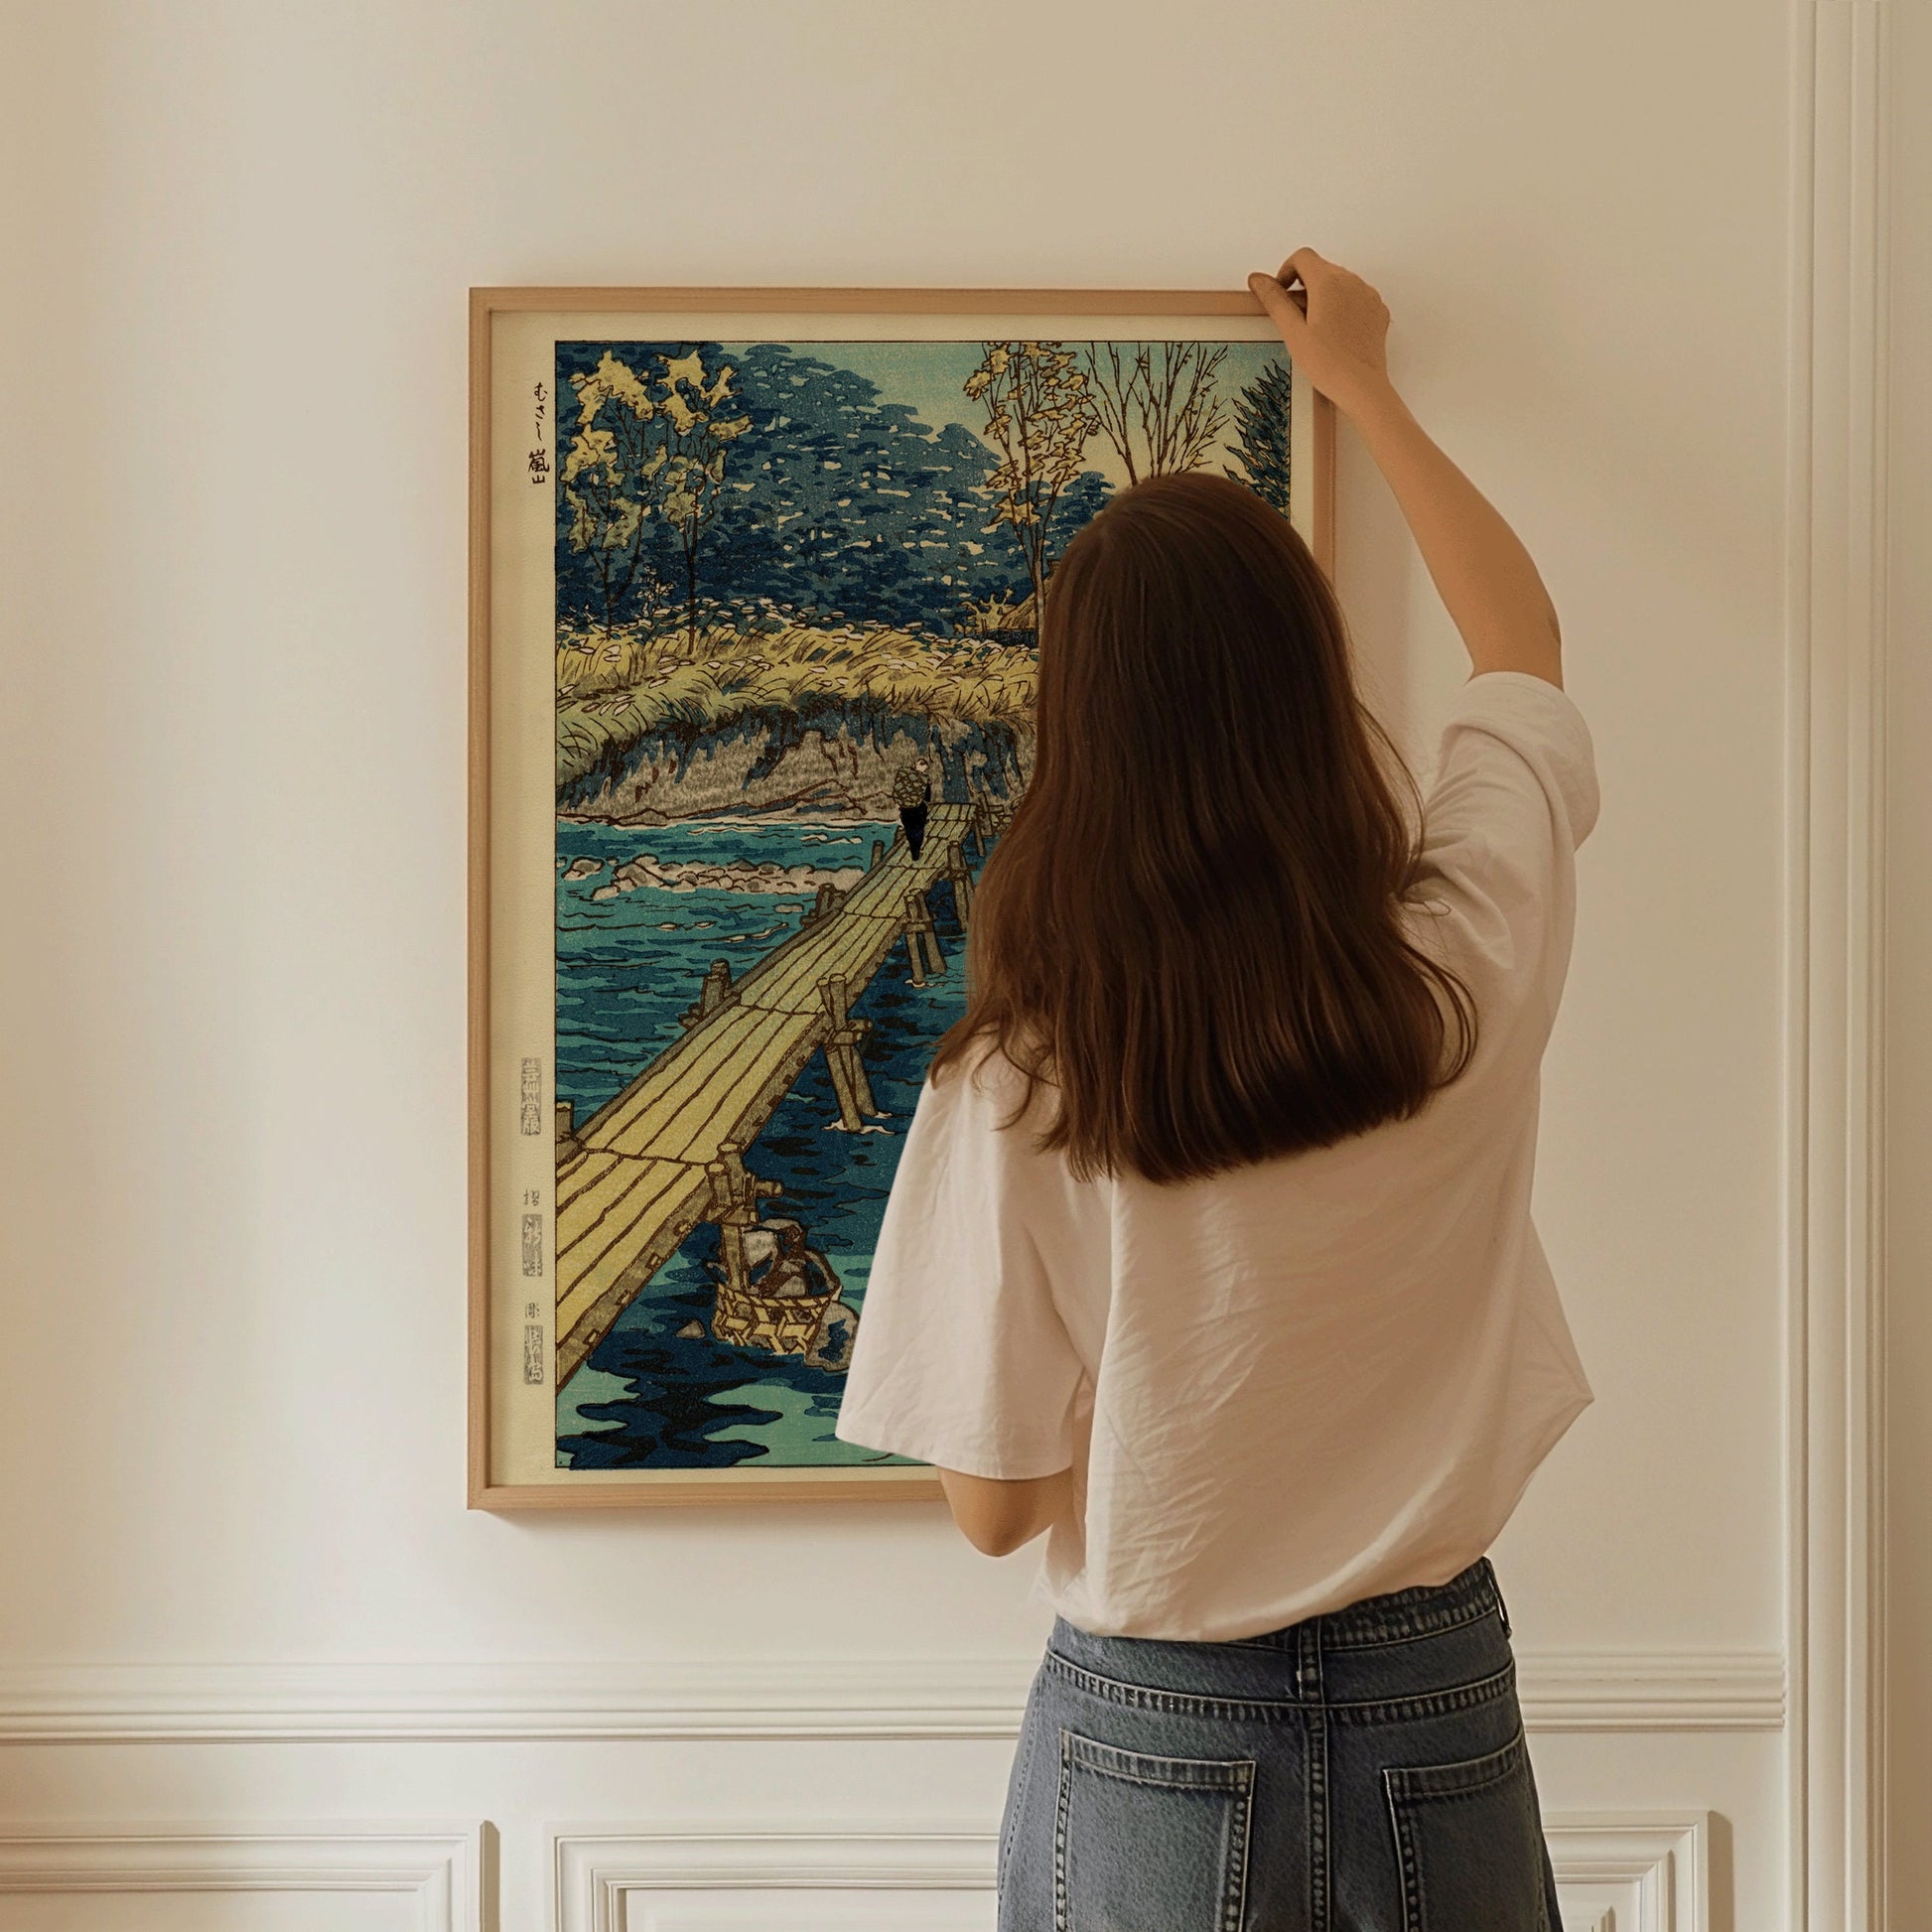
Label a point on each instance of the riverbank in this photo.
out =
(655, 726)
(838, 763)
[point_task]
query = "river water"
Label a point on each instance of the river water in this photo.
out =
(627, 967)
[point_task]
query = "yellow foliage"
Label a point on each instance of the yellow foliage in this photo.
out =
(612, 380)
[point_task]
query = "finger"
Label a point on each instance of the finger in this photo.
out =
(1303, 264)
(1268, 291)
(1261, 282)
(1281, 307)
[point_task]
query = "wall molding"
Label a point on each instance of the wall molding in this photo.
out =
(596, 1869)
(1834, 924)
(439, 1867)
(1618, 1871)
(1646, 1870)
(851, 1697)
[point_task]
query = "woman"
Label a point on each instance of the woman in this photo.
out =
(1209, 1251)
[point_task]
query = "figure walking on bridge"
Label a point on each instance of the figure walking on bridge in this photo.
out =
(912, 794)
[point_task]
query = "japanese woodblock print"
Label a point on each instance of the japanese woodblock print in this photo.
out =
(758, 583)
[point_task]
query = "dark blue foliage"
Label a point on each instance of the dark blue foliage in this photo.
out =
(836, 503)
(1263, 421)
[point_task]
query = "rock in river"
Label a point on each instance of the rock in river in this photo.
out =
(739, 875)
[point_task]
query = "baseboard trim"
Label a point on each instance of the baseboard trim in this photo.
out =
(852, 1698)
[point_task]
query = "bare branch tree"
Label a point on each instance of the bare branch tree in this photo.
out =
(1157, 405)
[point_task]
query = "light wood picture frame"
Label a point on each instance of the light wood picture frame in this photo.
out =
(747, 567)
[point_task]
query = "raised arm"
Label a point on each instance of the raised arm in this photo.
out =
(1334, 327)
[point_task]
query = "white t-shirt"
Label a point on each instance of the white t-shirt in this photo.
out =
(1307, 1381)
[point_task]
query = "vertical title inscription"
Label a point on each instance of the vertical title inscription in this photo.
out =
(540, 451)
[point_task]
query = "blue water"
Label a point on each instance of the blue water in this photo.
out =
(627, 967)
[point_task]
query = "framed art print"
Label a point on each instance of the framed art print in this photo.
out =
(755, 585)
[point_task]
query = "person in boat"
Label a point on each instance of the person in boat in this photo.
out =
(790, 1267)
(780, 1267)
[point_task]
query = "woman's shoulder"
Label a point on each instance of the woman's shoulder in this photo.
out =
(987, 1077)
(982, 1063)
(1513, 738)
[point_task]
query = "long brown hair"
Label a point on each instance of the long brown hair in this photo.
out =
(1190, 929)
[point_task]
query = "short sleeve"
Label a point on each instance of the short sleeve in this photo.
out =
(1515, 794)
(961, 1358)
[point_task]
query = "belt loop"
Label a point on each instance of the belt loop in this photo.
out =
(1502, 1609)
(1308, 1661)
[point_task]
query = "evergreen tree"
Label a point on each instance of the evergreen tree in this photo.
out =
(852, 506)
(1263, 417)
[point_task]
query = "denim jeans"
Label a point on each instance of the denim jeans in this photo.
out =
(1360, 1771)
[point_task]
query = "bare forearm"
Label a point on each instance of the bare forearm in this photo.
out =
(1481, 571)
(1336, 327)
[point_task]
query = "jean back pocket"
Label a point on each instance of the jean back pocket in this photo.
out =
(1147, 1843)
(1469, 1844)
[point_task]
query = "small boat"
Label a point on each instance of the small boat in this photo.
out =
(789, 1302)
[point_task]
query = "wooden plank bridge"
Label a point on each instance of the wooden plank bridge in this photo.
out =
(636, 1176)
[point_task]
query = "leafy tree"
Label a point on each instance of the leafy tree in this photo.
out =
(1156, 403)
(1037, 416)
(1263, 418)
(609, 476)
(644, 476)
(693, 472)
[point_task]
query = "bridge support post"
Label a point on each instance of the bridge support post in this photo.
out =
(715, 992)
(935, 960)
(913, 955)
(878, 854)
(861, 1081)
(961, 880)
(839, 1054)
(849, 1082)
(735, 1197)
(920, 933)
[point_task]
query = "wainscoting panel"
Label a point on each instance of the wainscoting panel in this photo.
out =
(607, 1879)
(300, 1878)
(1641, 1872)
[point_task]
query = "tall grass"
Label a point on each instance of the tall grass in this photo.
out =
(613, 689)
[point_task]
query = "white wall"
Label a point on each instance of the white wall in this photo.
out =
(234, 1161)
